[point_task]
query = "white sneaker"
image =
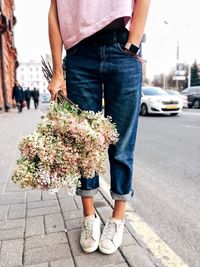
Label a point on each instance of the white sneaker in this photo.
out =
(90, 233)
(112, 235)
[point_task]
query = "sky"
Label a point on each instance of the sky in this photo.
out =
(169, 22)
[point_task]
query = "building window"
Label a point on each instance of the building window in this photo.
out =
(31, 69)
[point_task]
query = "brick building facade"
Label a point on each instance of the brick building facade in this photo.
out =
(8, 53)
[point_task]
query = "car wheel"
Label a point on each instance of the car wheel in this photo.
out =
(196, 103)
(173, 114)
(144, 110)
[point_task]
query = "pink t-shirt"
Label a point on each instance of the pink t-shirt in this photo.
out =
(79, 19)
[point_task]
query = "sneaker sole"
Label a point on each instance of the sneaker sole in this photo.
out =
(90, 250)
(106, 251)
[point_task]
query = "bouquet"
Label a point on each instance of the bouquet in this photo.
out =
(68, 144)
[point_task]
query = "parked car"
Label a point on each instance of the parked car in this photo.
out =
(155, 100)
(180, 97)
(193, 96)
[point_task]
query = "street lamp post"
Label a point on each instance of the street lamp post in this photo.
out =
(189, 75)
(164, 74)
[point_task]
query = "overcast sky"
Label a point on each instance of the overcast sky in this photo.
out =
(182, 17)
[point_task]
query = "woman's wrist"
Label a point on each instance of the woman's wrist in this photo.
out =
(134, 38)
(58, 73)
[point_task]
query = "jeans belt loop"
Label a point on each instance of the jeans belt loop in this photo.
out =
(114, 36)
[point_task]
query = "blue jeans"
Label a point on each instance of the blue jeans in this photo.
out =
(88, 67)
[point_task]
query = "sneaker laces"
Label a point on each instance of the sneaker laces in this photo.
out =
(87, 229)
(109, 230)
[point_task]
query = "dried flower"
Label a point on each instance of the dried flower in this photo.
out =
(67, 145)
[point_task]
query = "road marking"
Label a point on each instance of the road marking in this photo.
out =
(191, 126)
(154, 243)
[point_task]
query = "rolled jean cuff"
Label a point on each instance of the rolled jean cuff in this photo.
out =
(126, 197)
(87, 193)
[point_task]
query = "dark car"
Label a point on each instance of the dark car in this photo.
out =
(193, 95)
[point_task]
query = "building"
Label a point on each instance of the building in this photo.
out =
(29, 74)
(8, 53)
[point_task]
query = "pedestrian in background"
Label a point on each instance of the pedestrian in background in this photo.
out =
(18, 95)
(102, 40)
(27, 95)
(35, 95)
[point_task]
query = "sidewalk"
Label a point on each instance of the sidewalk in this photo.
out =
(42, 230)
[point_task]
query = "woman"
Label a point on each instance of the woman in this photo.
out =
(102, 40)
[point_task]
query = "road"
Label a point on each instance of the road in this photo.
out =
(167, 180)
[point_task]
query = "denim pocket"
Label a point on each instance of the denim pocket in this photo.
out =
(121, 47)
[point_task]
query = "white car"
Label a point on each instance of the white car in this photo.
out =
(180, 97)
(155, 100)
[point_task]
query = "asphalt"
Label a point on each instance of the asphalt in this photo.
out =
(167, 180)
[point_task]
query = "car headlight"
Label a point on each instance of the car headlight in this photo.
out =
(155, 101)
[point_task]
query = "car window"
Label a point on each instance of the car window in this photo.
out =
(154, 91)
(172, 92)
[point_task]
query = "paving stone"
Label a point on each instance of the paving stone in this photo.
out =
(42, 204)
(99, 196)
(69, 215)
(11, 234)
(128, 239)
(35, 226)
(105, 213)
(11, 253)
(100, 203)
(62, 193)
(10, 224)
(10, 198)
(54, 223)
(48, 196)
(97, 259)
(74, 238)
(136, 256)
(11, 187)
(38, 265)
(17, 211)
(45, 240)
(3, 212)
(34, 195)
(121, 265)
(68, 204)
(62, 263)
(50, 253)
(78, 202)
(1, 186)
(42, 211)
(74, 224)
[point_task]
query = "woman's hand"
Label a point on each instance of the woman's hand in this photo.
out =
(57, 84)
